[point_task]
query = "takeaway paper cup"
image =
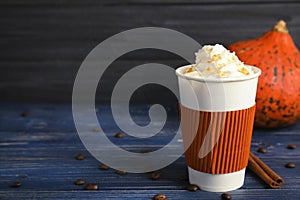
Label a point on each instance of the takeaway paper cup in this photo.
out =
(217, 117)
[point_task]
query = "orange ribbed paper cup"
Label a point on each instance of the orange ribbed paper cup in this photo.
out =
(217, 117)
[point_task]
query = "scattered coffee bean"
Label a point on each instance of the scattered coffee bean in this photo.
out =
(226, 196)
(155, 175)
(291, 146)
(80, 156)
(118, 135)
(290, 165)
(160, 197)
(24, 114)
(121, 172)
(262, 150)
(192, 187)
(103, 167)
(16, 184)
(96, 129)
(92, 186)
(79, 182)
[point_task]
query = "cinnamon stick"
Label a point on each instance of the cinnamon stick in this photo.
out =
(264, 172)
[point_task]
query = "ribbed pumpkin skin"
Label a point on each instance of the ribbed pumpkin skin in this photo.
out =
(278, 92)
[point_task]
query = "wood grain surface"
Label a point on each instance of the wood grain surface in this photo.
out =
(39, 150)
(44, 42)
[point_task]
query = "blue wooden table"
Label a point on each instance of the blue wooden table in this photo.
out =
(38, 149)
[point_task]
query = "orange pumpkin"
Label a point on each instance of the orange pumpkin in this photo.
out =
(278, 92)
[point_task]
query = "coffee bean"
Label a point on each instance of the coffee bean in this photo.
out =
(80, 156)
(262, 150)
(92, 186)
(121, 172)
(291, 146)
(118, 135)
(226, 196)
(290, 165)
(192, 187)
(16, 184)
(155, 175)
(103, 167)
(160, 197)
(24, 114)
(79, 182)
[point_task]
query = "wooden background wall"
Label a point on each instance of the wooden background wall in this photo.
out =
(43, 42)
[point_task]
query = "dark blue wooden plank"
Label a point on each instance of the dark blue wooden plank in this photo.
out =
(42, 158)
(278, 194)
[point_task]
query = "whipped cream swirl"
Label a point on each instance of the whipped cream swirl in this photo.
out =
(215, 61)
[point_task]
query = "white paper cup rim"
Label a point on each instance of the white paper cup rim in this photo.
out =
(179, 72)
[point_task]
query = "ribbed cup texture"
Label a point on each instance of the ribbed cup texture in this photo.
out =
(223, 137)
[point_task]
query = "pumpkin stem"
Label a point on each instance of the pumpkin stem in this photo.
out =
(280, 26)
